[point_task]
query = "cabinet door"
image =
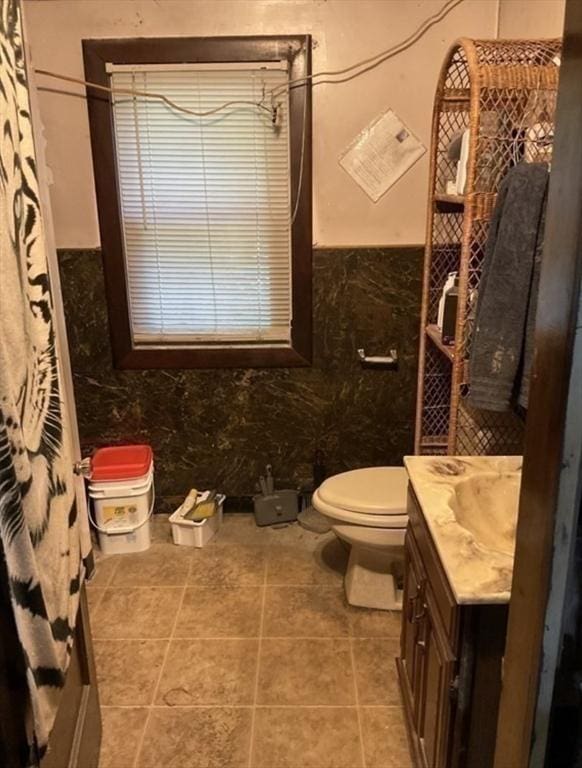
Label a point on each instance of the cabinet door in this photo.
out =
(412, 605)
(437, 688)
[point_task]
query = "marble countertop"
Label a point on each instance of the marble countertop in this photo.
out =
(476, 572)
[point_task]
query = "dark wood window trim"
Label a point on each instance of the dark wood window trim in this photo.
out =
(296, 49)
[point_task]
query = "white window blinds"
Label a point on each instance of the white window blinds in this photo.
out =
(205, 205)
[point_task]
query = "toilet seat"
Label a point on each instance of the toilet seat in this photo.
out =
(371, 490)
(373, 496)
(374, 520)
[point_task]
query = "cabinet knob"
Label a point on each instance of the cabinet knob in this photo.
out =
(419, 616)
(411, 607)
(411, 614)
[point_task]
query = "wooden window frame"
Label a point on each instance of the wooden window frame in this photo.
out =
(296, 50)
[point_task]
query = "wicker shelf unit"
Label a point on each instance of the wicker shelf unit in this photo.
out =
(504, 92)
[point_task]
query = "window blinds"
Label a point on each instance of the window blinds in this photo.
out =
(205, 205)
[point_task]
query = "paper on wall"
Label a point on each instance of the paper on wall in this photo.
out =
(381, 154)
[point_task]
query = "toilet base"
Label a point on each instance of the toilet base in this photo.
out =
(369, 581)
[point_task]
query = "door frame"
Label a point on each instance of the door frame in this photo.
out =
(552, 463)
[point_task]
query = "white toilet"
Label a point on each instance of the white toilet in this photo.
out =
(367, 509)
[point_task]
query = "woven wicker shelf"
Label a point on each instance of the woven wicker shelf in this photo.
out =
(454, 201)
(435, 445)
(434, 334)
(500, 90)
(457, 98)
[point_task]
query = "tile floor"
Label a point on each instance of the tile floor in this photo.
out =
(243, 654)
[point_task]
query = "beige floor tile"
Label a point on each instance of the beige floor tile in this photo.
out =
(163, 565)
(220, 612)
(306, 738)
(293, 535)
(127, 671)
(306, 672)
(240, 528)
(197, 738)
(228, 565)
(375, 669)
(305, 612)
(366, 622)
(295, 565)
(104, 570)
(94, 595)
(384, 734)
(209, 672)
(136, 612)
(122, 731)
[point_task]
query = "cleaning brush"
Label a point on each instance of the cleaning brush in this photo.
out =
(203, 509)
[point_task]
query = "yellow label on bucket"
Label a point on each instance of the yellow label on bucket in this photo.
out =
(117, 513)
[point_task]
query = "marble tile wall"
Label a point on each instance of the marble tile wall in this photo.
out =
(218, 428)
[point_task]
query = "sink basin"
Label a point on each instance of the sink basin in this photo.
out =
(486, 505)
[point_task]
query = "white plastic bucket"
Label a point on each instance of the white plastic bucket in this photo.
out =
(121, 513)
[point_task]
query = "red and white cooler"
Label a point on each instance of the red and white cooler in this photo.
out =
(121, 488)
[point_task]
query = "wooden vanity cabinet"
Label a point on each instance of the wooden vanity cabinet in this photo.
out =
(450, 662)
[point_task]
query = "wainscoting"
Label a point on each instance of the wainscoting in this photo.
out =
(218, 428)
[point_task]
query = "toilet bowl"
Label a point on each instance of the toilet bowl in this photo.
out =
(367, 509)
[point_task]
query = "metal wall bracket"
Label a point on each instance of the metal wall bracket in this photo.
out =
(389, 361)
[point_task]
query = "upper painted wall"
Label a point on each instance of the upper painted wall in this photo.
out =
(531, 18)
(344, 32)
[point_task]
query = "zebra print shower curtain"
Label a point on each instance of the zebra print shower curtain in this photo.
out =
(40, 535)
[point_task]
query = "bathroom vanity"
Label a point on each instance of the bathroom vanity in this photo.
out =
(458, 570)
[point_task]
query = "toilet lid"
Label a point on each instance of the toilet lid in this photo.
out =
(373, 490)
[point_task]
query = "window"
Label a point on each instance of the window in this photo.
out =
(205, 221)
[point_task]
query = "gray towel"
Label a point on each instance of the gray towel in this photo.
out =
(502, 344)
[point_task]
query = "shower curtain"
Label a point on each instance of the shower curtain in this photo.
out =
(42, 540)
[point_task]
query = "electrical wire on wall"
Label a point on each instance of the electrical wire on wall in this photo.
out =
(269, 101)
(349, 73)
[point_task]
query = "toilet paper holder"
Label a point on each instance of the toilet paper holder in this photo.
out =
(378, 361)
